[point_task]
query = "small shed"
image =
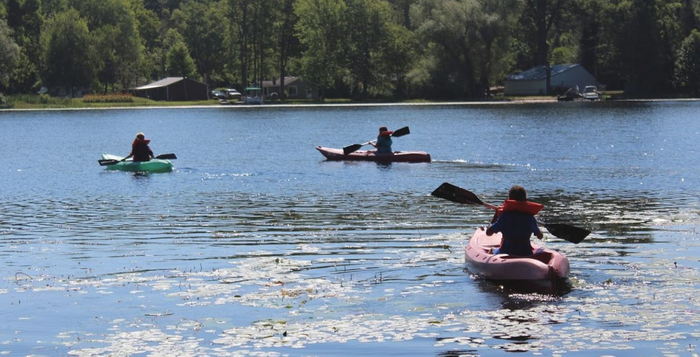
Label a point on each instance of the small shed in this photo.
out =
(295, 88)
(562, 77)
(173, 89)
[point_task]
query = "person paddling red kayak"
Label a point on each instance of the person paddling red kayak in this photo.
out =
(383, 142)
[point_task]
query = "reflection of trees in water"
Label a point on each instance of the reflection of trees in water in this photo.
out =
(629, 217)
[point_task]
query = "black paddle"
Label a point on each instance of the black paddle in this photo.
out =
(107, 162)
(456, 194)
(354, 147)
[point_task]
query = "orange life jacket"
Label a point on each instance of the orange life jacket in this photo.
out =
(520, 206)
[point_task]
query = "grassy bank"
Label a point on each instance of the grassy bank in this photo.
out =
(43, 101)
(28, 101)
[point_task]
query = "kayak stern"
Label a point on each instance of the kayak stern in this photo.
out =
(544, 265)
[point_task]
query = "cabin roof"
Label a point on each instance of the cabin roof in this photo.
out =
(538, 73)
(161, 83)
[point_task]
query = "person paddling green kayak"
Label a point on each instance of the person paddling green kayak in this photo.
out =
(140, 151)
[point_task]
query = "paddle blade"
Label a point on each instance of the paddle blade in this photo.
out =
(456, 194)
(352, 148)
(166, 157)
(401, 132)
(564, 231)
(107, 162)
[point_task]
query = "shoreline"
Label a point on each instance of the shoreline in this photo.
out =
(340, 105)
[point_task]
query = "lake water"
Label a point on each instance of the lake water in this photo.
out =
(254, 245)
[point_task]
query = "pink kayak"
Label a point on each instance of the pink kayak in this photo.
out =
(544, 265)
(371, 155)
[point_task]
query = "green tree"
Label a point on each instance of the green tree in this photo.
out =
(147, 22)
(538, 26)
(688, 64)
(24, 17)
(367, 32)
(320, 30)
(468, 42)
(288, 45)
(645, 57)
(178, 60)
(396, 59)
(69, 61)
(149, 27)
(119, 48)
(202, 26)
(9, 53)
(238, 37)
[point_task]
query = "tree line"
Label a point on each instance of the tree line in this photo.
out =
(362, 49)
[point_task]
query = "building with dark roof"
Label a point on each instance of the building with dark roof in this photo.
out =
(562, 77)
(294, 87)
(173, 89)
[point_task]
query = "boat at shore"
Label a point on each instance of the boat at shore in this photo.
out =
(153, 165)
(545, 264)
(371, 155)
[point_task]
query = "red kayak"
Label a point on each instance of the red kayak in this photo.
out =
(371, 155)
(544, 265)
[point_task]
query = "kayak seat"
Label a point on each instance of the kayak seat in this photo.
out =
(544, 257)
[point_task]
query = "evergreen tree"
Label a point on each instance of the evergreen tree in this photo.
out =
(179, 62)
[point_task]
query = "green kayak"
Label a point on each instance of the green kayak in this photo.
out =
(154, 165)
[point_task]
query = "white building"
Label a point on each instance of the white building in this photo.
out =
(562, 77)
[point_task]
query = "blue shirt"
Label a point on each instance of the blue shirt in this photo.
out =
(516, 228)
(383, 144)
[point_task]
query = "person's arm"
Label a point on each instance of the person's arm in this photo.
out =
(494, 228)
(130, 154)
(535, 228)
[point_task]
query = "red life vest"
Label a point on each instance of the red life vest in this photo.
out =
(138, 141)
(528, 207)
(140, 150)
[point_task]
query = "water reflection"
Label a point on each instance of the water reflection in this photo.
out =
(517, 294)
(282, 253)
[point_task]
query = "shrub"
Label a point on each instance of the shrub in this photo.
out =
(108, 98)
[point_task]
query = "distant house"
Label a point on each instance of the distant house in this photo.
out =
(173, 89)
(562, 77)
(295, 88)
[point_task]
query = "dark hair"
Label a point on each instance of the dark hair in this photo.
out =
(383, 129)
(517, 193)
